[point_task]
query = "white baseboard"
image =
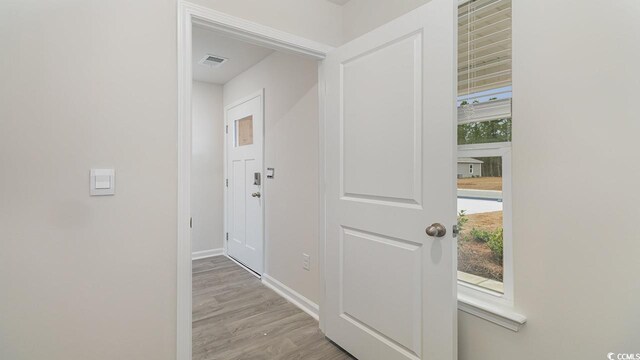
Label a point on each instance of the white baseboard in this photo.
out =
(206, 253)
(292, 296)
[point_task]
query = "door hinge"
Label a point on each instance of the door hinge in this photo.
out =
(226, 129)
(455, 230)
(191, 222)
(226, 182)
(227, 236)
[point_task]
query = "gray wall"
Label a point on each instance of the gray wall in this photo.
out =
(465, 171)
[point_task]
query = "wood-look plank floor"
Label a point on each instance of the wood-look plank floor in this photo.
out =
(236, 317)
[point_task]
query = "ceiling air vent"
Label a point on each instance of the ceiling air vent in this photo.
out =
(212, 60)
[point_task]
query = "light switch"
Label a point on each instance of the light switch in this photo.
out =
(102, 182)
(270, 173)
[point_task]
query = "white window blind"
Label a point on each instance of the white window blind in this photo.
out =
(484, 46)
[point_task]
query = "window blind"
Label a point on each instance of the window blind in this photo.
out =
(484, 46)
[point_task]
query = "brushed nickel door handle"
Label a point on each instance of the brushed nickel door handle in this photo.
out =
(436, 230)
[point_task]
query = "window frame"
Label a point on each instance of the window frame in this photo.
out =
(503, 150)
(486, 304)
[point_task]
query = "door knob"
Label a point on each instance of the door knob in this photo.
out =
(256, 194)
(437, 230)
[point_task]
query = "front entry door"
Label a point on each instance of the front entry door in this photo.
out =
(245, 201)
(390, 153)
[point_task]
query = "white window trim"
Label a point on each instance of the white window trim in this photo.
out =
(489, 305)
(486, 111)
(498, 314)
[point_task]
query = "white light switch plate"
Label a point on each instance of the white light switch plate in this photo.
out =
(102, 182)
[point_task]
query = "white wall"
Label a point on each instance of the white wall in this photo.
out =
(87, 84)
(361, 16)
(291, 147)
(576, 245)
(207, 179)
(318, 20)
(94, 278)
(93, 84)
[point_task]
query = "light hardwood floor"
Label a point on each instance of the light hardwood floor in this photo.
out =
(236, 317)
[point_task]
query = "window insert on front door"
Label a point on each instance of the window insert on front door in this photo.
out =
(243, 131)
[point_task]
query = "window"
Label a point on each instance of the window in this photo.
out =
(244, 131)
(483, 199)
(484, 148)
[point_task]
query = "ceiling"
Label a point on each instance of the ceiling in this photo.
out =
(339, 2)
(241, 55)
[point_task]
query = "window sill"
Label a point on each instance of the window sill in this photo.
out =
(498, 314)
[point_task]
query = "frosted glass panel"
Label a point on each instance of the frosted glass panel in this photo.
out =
(244, 131)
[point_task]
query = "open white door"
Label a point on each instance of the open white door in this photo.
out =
(390, 155)
(245, 210)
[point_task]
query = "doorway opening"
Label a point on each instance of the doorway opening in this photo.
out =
(254, 233)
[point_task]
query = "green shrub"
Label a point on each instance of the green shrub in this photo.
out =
(462, 220)
(480, 235)
(496, 244)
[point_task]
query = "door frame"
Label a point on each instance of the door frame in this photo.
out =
(225, 152)
(190, 14)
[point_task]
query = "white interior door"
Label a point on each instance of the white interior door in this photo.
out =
(390, 121)
(245, 201)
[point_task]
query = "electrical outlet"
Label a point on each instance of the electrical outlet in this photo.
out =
(306, 261)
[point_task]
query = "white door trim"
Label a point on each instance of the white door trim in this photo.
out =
(259, 93)
(189, 14)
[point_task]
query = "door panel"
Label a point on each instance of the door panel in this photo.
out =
(238, 189)
(253, 234)
(245, 212)
(368, 287)
(381, 115)
(390, 149)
